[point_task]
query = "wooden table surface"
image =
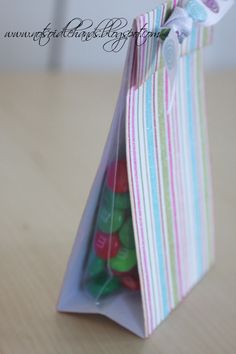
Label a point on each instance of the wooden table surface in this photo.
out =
(52, 131)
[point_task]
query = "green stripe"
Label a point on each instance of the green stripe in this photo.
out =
(164, 157)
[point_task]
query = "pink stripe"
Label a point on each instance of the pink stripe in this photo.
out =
(144, 243)
(143, 56)
(172, 186)
(143, 59)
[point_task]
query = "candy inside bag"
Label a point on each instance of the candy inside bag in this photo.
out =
(111, 265)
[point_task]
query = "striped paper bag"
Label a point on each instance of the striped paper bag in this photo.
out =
(155, 164)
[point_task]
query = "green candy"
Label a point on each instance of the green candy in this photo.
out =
(96, 266)
(120, 200)
(126, 234)
(103, 285)
(124, 261)
(110, 220)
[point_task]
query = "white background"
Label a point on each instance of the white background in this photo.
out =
(71, 54)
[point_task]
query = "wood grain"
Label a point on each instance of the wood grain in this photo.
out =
(52, 132)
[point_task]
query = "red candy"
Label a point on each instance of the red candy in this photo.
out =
(117, 178)
(106, 246)
(132, 271)
(130, 282)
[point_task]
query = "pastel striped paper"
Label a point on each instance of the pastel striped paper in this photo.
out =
(169, 183)
(168, 170)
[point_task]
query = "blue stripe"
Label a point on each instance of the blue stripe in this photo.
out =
(158, 14)
(155, 195)
(192, 142)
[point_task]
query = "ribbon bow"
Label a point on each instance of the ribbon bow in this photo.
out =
(179, 26)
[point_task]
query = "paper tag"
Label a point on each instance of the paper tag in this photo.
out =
(209, 12)
(171, 53)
